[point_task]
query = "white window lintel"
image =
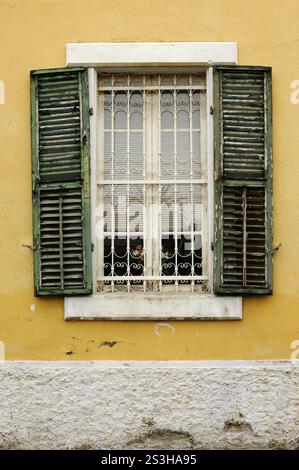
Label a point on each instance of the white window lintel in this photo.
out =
(150, 306)
(105, 54)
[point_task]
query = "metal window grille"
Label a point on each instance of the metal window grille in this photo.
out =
(152, 183)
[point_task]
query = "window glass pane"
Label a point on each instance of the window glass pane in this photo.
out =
(120, 159)
(136, 155)
(107, 110)
(167, 159)
(120, 80)
(183, 161)
(182, 80)
(136, 110)
(107, 156)
(167, 80)
(167, 109)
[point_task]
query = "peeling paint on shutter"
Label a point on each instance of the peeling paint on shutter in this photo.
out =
(60, 171)
(243, 180)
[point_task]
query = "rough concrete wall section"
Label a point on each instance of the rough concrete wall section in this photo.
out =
(149, 405)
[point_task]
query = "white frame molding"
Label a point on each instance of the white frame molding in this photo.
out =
(150, 306)
(160, 306)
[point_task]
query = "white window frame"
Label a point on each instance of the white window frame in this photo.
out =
(126, 57)
(151, 90)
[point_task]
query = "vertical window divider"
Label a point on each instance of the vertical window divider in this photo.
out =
(155, 232)
(175, 183)
(145, 241)
(160, 188)
(112, 188)
(128, 183)
(148, 174)
(191, 176)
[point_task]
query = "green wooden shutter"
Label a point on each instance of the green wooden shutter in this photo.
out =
(60, 178)
(243, 180)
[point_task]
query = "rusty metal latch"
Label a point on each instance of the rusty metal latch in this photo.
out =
(35, 183)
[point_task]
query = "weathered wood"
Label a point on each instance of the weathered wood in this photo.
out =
(243, 180)
(60, 175)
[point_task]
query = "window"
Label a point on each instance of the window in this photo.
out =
(174, 187)
(152, 186)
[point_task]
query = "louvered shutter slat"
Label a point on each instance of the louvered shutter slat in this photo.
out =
(60, 156)
(243, 180)
(59, 111)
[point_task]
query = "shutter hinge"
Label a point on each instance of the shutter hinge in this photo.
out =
(92, 247)
(34, 245)
(31, 247)
(211, 110)
(90, 111)
(276, 248)
(212, 246)
(84, 136)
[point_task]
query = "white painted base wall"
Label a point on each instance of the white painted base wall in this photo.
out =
(149, 405)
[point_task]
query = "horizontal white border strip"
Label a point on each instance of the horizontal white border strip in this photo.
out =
(149, 405)
(105, 54)
(106, 364)
(174, 306)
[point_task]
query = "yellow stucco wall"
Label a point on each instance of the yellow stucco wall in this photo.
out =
(33, 34)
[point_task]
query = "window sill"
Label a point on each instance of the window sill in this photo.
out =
(150, 306)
